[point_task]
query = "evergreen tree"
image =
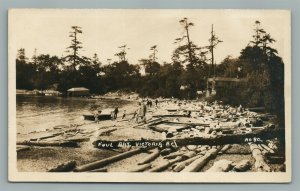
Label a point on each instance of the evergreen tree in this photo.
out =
(73, 57)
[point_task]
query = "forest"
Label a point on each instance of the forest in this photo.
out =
(181, 78)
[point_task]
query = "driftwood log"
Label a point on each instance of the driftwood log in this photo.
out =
(23, 148)
(49, 144)
(221, 166)
(46, 137)
(106, 161)
(149, 123)
(186, 123)
(181, 165)
(260, 163)
(65, 167)
(83, 139)
(107, 132)
(141, 168)
(189, 154)
(173, 155)
(225, 148)
(267, 148)
(242, 166)
(166, 165)
(171, 115)
(150, 157)
(158, 129)
(165, 151)
(200, 162)
(263, 135)
(99, 170)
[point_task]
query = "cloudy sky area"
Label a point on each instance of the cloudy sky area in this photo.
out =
(105, 30)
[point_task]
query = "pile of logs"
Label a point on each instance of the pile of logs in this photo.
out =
(190, 158)
(199, 146)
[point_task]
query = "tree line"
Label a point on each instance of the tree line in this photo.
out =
(186, 74)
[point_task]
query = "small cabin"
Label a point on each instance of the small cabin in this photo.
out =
(78, 92)
(223, 84)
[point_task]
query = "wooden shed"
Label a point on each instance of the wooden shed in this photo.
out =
(223, 84)
(78, 91)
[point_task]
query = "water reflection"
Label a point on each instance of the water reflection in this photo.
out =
(36, 113)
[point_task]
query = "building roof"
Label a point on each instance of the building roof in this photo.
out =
(78, 89)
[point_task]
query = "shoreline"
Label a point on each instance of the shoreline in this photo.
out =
(37, 158)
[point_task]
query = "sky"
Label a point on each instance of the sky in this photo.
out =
(105, 30)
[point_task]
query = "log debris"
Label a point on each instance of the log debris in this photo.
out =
(166, 165)
(200, 162)
(46, 137)
(141, 168)
(150, 157)
(242, 166)
(267, 148)
(181, 165)
(106, 161)
(49, 144)
(65, 167)
(260, 163)
(213, 139)
(221, 166)
(23, 148)
(165, 151)
(224, 149)
(173, 155)
(99, 170)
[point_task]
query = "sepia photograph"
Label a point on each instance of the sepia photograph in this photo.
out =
(149, 95)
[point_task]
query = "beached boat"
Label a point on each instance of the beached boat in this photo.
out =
(101, 117)
(105, 114)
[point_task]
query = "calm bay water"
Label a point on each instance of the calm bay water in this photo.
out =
(36, 113)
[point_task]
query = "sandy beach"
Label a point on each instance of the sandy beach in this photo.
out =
(36, 158)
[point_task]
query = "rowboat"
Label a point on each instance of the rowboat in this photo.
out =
(101, 117)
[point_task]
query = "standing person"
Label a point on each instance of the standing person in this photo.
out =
(116, 111)
(139, 112)
(156, 102)
(96, 115)
(124, 114)
(144, 109)
(134, 117)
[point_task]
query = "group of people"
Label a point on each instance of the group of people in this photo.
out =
(139, 115)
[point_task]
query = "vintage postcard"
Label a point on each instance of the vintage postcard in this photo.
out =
(149, 95)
